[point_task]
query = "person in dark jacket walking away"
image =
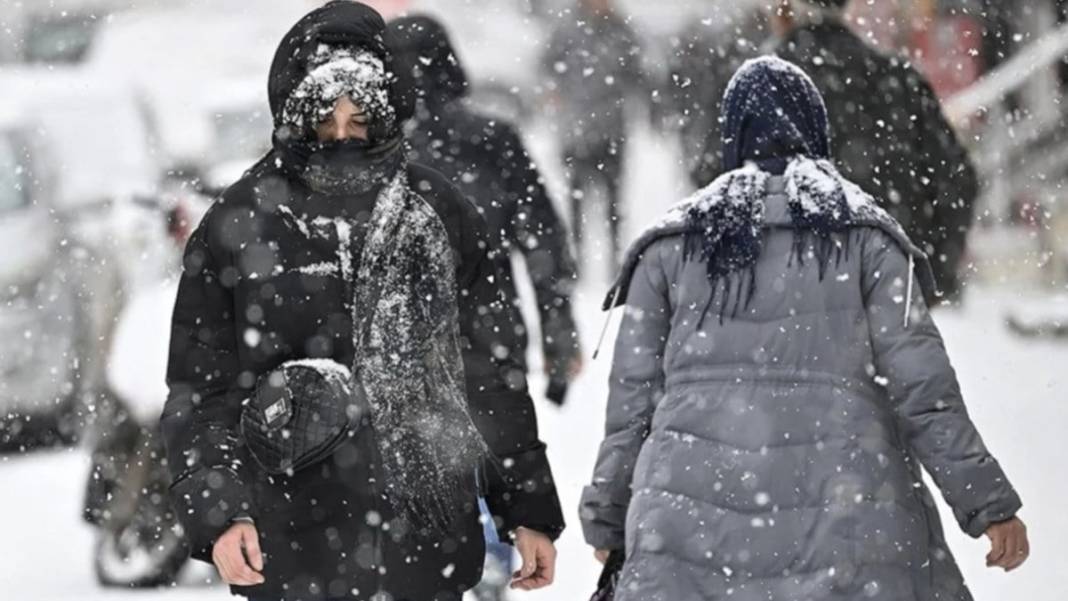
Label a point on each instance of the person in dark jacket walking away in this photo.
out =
(777, 384)
(592, 64)
(487, 161)
(704, 57)
(336, 255)
(890, 135)
(485, 158)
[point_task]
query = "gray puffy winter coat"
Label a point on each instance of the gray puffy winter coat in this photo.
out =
(776, 456)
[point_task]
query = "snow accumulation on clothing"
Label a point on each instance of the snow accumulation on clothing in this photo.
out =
(339, 71)
(329, 369)
(812, 186)
(322, 268)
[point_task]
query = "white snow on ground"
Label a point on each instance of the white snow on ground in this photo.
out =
(1014, 388)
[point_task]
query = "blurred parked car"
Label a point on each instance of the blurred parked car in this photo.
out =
(91, 156)
(185, 86)
(40, 322)
(57, 32)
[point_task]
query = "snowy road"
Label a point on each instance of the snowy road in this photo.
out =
(1015, 390)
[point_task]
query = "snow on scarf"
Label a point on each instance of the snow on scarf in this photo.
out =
(723, 224)
(408, 358)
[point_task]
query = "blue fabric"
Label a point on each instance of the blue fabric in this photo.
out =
(494, 547)
(772, 111)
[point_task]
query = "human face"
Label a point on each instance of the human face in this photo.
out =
(348, 122)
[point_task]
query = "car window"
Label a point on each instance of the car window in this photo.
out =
(60, 40)
(13, 193)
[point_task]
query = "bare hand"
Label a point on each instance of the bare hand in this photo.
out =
(1009, 546)
(602, 555)
(229, 554)
(539, 560)
(574, 367)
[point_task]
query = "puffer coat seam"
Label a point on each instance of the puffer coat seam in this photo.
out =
(645, 490)
(778, 576)
(669, 430)
(742, 316)
(705, 376)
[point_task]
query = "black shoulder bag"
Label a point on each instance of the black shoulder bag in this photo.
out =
(300, 413)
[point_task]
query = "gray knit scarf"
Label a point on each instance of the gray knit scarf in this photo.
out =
(408, 358)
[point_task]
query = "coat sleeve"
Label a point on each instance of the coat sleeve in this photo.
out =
(635, 387)
(541, 236)
(204, 454)
(912, 363)
(950, 177)
(519, 485)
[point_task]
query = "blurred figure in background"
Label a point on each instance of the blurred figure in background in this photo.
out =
(706, 55)
(487, 161)
(889, 131)
(593, 63)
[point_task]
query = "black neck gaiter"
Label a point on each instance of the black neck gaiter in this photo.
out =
(342, 168)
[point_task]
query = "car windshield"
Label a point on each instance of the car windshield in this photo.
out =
(12, 177)
(60, 40)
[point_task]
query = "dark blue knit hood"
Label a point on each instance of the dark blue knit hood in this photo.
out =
(772, 112)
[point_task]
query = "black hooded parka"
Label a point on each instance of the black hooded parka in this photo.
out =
(254, 293)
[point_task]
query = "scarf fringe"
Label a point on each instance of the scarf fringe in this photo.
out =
(408, 357)
(725, 227)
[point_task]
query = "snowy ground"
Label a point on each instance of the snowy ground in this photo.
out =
(1014, 388)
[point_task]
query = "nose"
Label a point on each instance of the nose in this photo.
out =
(337, 132)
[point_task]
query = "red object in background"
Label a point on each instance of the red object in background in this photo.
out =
(950, 53)
(878, 23)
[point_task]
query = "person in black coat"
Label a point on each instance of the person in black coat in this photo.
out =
(281, 270)
(486, 159)
(889, 133)
(592, 63)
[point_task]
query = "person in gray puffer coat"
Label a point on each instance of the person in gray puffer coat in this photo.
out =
(777, 385)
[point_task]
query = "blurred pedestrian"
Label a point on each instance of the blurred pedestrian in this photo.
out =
(485, 158)
(593, 63)
(889, 131)
(704, 57)
(336, 380)
(778, 382)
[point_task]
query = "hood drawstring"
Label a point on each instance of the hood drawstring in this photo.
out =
(607, 320)
(908, 289)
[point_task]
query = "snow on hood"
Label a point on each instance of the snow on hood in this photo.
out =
(336, 72)
(342, 25)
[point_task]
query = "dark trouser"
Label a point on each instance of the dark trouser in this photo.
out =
(591, 166)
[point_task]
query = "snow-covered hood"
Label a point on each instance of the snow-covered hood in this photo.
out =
(338, 24)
